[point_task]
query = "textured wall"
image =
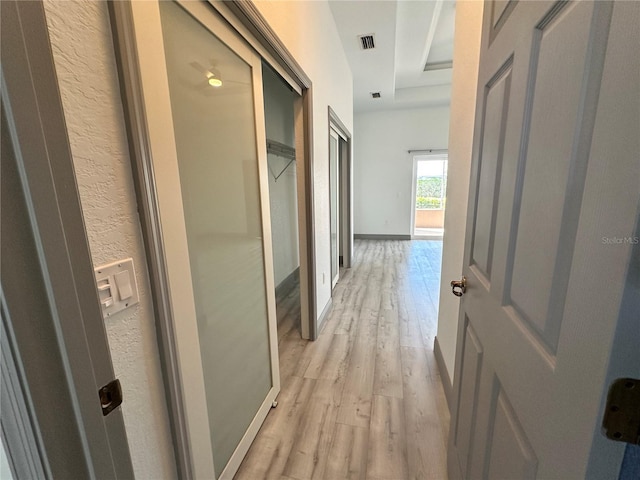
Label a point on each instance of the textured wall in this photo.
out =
(383, 169)
(83, 52)
(309, 32)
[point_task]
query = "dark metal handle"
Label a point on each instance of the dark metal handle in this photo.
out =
(110, 396)
(459, 287)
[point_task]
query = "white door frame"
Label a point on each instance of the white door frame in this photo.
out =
(414, 154)
(345, 187)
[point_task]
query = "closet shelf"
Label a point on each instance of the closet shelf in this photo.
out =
(281, 150)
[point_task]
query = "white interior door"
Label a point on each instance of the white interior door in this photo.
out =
(554, 183)
(334, 187)
(202, 88)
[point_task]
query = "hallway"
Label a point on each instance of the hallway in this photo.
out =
(365, 400)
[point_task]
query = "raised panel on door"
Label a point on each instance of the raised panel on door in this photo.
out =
(500, 448)
(494, 118)
(467, 401)
(509, 453)
(499, 12)
(498, 8)
(554, 116)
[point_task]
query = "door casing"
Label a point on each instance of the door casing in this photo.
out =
(345, 188)
(443, 154)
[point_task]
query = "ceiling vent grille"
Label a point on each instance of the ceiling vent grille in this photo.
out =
(366, 42)
(375, 94)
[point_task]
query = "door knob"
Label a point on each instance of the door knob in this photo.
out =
(459, 287)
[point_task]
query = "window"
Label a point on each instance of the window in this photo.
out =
(431, 184)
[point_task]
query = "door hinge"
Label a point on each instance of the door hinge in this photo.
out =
(110, 396)
(621, 420)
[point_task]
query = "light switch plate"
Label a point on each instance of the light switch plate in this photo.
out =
(117, 286)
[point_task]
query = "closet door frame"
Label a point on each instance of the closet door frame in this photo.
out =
(154, 86)
(246, 20)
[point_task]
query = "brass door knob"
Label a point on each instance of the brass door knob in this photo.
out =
(459, 287)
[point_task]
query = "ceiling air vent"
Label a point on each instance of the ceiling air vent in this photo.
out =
(375, 94)
(366, 42)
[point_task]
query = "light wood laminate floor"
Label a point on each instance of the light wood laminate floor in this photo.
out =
(365, 400)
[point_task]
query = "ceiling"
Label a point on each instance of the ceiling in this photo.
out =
(408, 35)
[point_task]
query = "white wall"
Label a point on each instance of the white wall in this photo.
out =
(383, 169)
(83, 53)
(309, 32)
(463, 100)
(283, 201)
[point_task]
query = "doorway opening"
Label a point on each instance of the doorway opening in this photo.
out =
(283, 201)
(341, 241)
(429, 195)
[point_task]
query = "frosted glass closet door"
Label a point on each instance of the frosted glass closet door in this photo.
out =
(213, 109)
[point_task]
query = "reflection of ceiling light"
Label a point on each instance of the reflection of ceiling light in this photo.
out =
(215, 82)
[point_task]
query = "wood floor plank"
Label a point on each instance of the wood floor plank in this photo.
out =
(313, 355)
(270, 450)
(371, 281)
(443, 408)
(388, 324)
(347, 296)
(339, 298)
(355, 406)
(350, 314)
(348, 454)
(364, 400)
(387, 456)
(291, 348)
(334, 364)
(387, 378)
(309, 455)
(369, 312)
(408, 322)
(426, 450)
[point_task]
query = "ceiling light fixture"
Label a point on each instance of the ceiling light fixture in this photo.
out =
(215, 82)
